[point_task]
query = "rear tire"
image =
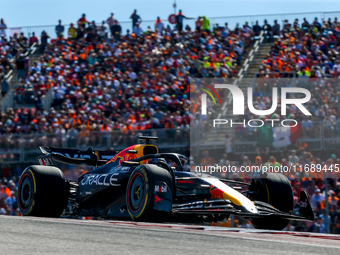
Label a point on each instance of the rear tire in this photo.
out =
(42, 191)
(140, 192)
(274, 189)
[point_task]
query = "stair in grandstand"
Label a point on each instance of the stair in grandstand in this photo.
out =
(253, 69)
(9, 101)
(34, 58)
(29, 95)
(215, 136)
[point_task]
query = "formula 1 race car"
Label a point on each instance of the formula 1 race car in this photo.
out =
(138, 183)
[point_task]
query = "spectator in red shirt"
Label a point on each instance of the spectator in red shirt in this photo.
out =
(6, 171)
(33, 39)
(82, 21)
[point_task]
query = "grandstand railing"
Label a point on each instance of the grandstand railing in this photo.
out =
(320, 136)
(280, 17)
(231, 20)
(315, 137)
(24, 148)
(281, 77)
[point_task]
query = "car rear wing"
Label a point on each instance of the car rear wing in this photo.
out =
(74, 156)
(75, 153)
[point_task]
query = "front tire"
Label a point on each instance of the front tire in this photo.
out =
(140, 192)
(42, 191)
(273, 189)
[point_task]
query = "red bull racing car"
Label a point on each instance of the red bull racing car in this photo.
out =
(138, 183)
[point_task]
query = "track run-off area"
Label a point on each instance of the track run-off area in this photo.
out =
(31, 235)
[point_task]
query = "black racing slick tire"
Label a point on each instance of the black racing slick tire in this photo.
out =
(42, 191)
(273, 189)
(140, 192)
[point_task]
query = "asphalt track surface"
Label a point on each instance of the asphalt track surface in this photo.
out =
(29, 235)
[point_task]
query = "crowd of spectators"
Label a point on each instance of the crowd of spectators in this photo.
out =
(11, 56)
(107, 81)
(305, 55)
(8, 201)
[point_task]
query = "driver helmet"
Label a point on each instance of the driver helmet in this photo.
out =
(156, 160)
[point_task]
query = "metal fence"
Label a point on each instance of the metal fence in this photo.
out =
(24, 148)
(251, 19)
(231, 20)
(50, 29)
(320, 136)
(265, 81)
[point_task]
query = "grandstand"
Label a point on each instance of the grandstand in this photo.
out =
(105, 88)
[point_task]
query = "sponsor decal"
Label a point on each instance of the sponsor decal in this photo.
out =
(125, 155)
(303, 204)
(99, 179)
(45, 162)
(217, 193)
(157, 199)
(238, 100)
(161, 188)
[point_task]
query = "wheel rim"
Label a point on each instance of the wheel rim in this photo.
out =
(136, 192)
(26, 192)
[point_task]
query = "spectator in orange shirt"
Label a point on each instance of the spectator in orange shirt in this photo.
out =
(333, 199)
(4, 191)
(170, 132)
(207, 160)
(83, 136)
